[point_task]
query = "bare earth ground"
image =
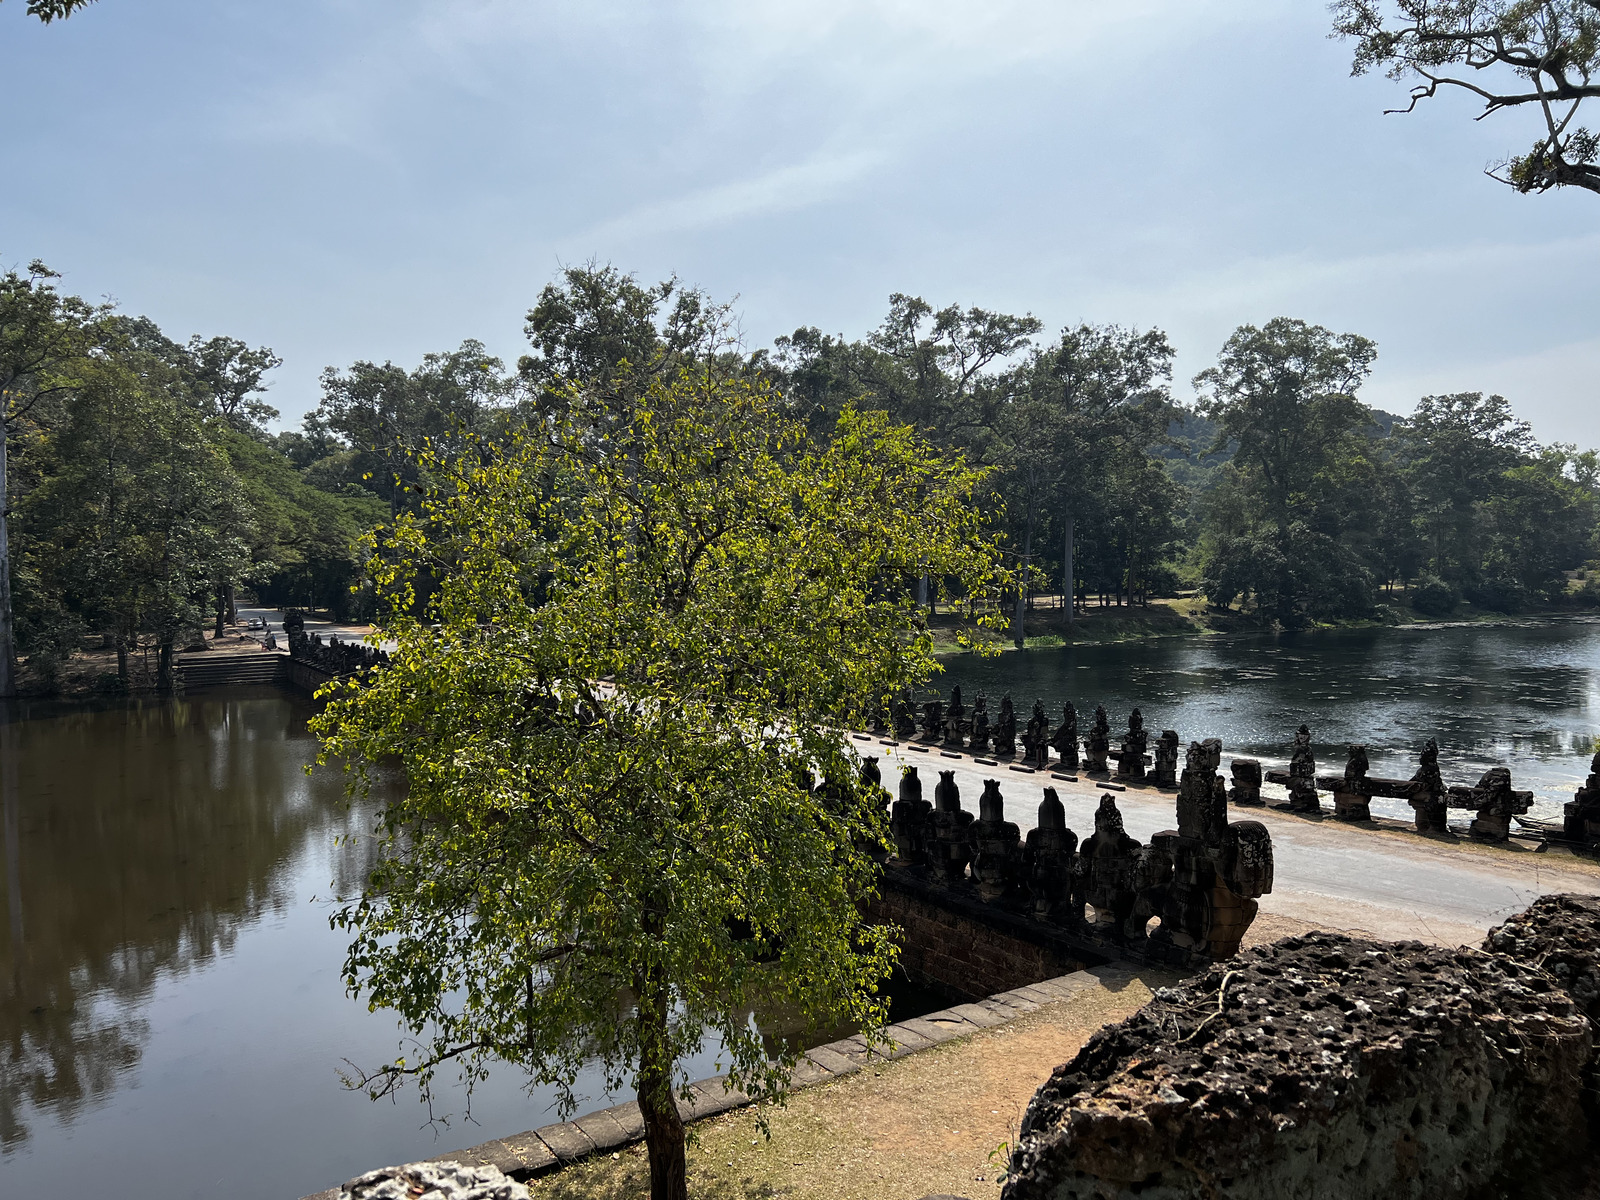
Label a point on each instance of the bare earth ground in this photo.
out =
(927, 1123)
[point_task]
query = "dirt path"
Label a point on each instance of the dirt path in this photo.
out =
(927, 1123)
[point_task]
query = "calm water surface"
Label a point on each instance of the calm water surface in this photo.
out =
(1524, 694)
(172, 1021)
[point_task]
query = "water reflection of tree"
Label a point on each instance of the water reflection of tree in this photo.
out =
(139, 841)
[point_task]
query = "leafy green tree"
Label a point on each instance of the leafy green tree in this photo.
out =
(1454, 451)
(384, 414)
(43, 335)
(1284, 395)
(600, 329)
(53, 10)
(230, 373)
(639, 647)
(139, 516)
(1537, 55)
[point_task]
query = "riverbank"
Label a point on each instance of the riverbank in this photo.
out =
(1191, 616)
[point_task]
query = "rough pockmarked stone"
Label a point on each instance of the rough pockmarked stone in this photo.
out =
(1065, 738)
(1246, 788)
(433, 1181)
(1321, 1066)
(1561, 935)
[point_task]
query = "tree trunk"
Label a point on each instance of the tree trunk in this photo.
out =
(222, 613)
(164, 666)
(663, 1126)
(8, 646)
(1018, 632)
(1069, 578)
(233, 607)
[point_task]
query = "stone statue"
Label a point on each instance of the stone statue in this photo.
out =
(1049, 856)
(955, 722)
(1066, 738)
(933, 720)
(978, 743)
(1246, 788)
(1108, 863)
(1303, 775)
(1036, 739)
(1352, 795)
(1165, 774)
(997, 861)
(1202, 797)
(1097, 745)
(1582, 815)
(1495, 801)
(1429, 799)
(911, 820)
(1005, 730)
(951, 849)
(905, 725)
(1130, 760)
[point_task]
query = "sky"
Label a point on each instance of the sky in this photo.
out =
(377, 179)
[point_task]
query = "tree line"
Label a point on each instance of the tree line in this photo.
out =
(144, 487)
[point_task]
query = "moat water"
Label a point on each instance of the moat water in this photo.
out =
(172, 1019)
(1523, 694)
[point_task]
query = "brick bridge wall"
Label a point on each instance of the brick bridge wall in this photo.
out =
(963, 948)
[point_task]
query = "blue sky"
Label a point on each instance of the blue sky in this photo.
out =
(344, 179)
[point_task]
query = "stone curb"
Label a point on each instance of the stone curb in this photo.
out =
(550, 1147)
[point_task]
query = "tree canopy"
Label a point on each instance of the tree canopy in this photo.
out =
(639, 652)
(1537, 55)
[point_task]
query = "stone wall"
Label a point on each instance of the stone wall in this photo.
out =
(1323, 1066)
(961, 949)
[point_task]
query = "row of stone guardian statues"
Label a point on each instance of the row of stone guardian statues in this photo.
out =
(1139, 757)
(1200, 881)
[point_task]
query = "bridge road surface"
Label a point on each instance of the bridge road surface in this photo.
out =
(1386, 883)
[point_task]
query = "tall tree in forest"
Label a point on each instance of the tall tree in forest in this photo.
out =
(1285, 394)
(140, 514)
(42, 335)
(608, 848)
(55, 10)
(386, 413)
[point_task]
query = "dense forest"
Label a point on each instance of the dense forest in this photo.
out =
(144, 486)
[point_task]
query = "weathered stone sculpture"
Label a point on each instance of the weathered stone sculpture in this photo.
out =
(952, 830)
(1065, 739)
(1428, 797)
(997, 860)
(1246, 788)
(1005, 730)
(1495, 801)
(1108, 866)
(1165, 774)
(1582, 815)
(905, 725)
(1130, 760)
(911, 821)
(1202, 797)
(955, 720)
(979, 741)
(1097, 745)
(1352, 794)
(878, 798)
(1049, 858)
(932, 720)
(1036, 738)
(1204, 879)
(1303, 775)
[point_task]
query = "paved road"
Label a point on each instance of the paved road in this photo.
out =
(1386, 882)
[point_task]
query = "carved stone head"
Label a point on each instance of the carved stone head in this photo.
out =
(1052, 814)
(991, 805)
(1108, 817)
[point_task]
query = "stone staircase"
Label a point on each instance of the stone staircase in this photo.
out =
(211, 669)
